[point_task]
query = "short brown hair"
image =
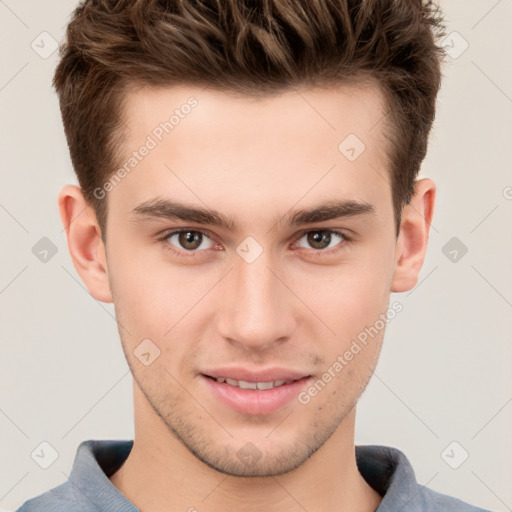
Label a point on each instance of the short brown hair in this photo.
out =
(249, 47)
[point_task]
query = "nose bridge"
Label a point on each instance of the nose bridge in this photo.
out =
(258, 311)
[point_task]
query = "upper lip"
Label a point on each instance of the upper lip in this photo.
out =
(263, 375)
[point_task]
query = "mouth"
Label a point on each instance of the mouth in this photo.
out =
(262, 386)
(254, 397)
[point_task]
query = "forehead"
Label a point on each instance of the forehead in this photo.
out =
(332, 110)
(218, 146)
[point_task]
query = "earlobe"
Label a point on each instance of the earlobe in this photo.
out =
(84, 242)
(413, 238)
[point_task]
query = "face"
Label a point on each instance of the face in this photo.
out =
(290, 258)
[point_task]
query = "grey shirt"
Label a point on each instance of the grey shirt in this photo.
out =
(88, 488)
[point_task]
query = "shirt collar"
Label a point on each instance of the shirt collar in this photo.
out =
(385, 469)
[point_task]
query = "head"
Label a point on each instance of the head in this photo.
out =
(265, 116)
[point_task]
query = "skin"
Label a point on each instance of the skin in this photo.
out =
(254, 160)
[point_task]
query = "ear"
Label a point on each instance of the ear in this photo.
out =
(84, 242)
(413, 237)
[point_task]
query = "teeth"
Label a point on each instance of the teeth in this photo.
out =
(265, 385)
(247, 385)
(253, 385)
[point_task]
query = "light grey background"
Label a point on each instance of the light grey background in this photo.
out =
(445, 370)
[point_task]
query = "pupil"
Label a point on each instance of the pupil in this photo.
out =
(317, 239)
(190, 240)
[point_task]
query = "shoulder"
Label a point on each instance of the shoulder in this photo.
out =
(428, 500)
(88, 487)
(390, 473)
(62, 497)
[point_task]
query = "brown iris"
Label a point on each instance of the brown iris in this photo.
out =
(319, 239)
(190, 240)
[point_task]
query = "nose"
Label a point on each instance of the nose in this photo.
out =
(258, 310)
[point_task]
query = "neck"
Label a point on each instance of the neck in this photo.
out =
(161, 474)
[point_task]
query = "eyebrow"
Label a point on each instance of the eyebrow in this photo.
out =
(173, 210)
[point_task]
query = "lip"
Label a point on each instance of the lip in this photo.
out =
(255, 401)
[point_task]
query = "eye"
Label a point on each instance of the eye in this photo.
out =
(187, 241)
(190, 242)
(323, 239)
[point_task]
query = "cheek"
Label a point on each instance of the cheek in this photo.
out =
(160, 303)
(145, 288)
(353, 298)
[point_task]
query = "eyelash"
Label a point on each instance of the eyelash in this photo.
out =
(318, 252)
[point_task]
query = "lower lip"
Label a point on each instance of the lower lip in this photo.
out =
(255, 401)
